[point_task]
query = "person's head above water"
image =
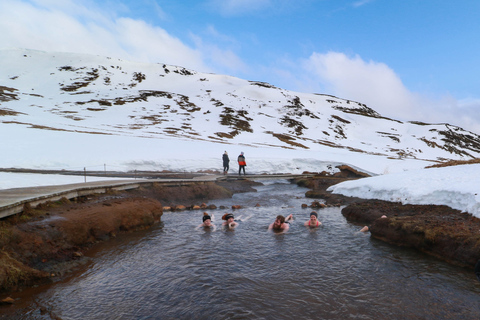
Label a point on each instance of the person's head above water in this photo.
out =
(313, 221)
(229, 220)
(281, 223)
(206, 217)
(228, 217)
(207, 220)
(279, 220)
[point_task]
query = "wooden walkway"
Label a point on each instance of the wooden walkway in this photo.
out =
(12, 201)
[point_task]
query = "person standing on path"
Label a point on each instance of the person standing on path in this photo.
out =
(241, 163)
(226, 163)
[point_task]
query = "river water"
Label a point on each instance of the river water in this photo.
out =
(174, 271)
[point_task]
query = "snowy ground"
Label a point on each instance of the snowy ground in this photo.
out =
(457, 187)
(21, 180)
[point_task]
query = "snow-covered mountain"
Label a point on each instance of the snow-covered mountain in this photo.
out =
(60, 99)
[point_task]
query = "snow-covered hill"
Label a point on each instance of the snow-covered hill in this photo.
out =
(60, 110)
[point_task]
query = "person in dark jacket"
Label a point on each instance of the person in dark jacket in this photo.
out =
(226, 163)
(241, 164)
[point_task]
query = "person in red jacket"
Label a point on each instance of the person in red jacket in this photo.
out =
(241, 164)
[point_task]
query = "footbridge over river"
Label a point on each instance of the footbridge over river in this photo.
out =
(13, 201)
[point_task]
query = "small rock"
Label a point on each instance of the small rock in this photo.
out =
(7, 300)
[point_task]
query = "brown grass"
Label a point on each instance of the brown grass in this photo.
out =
(454, 163)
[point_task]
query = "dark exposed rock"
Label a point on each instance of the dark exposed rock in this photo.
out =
(440, 231)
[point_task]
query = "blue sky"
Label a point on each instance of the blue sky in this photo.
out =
(410, 60)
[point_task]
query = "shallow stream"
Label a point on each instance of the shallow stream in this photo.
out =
(174, 271)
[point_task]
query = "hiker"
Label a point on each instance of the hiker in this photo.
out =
(226, 162)
(241, 163)
(313, 221)
(281, 223)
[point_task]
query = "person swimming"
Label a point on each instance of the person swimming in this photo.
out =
(229, 220)
(281, 223)
(313, 221)
(207, 222)
(367, 228)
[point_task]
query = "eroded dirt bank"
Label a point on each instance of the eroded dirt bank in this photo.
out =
(38, 249)
(440, 231)
(43, 243)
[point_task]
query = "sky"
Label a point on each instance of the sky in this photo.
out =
(409, 60)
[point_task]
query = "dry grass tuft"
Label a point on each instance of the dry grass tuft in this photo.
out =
(454, 163)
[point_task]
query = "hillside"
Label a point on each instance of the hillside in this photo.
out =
(96, 97)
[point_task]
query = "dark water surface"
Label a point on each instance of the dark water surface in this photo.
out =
(334, 272)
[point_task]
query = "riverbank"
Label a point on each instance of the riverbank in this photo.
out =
(440, 231)
(44, 243)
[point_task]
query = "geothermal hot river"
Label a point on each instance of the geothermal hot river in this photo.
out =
(173, 271)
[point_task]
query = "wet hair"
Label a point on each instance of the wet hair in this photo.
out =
(281, 218)
(227, 216)
(314, 213)
(206, 217)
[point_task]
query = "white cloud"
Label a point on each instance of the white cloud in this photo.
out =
(368, 82)
(380, 88)
(52, 25)
(218, 57)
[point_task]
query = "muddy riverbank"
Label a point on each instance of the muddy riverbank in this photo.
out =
(44, 243)
(440, 231)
